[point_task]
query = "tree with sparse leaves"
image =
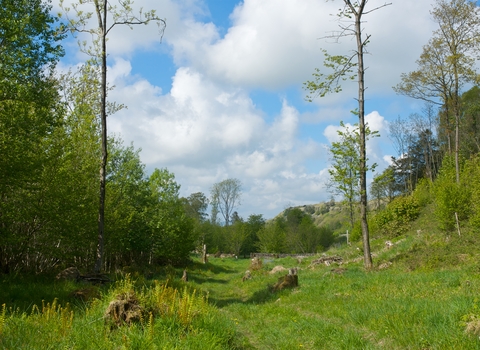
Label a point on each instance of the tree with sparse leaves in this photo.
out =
(345, 169)
(121, 14)
(343, 69)
(226, 197)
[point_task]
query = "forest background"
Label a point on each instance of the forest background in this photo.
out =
(51, 156)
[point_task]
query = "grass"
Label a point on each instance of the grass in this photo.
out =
(426, 297)
(392, 308)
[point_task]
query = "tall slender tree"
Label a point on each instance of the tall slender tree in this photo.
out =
(343, 69)
(120, 15)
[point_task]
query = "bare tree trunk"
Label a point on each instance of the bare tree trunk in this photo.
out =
(361, 122)
(102, 23)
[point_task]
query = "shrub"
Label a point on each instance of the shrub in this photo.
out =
(450, 197)
(395, 219)
(422, 192)
(471, 175)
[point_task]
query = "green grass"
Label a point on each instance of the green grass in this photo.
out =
(392, 308)
(426, 298)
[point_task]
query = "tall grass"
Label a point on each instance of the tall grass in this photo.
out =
(171, 319)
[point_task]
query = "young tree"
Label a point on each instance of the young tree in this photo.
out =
(382, 187)
(345, 171)
(447, 64)
(343, 67)
(120, 15)
(226, 197)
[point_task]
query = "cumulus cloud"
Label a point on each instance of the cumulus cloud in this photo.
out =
(205, 127)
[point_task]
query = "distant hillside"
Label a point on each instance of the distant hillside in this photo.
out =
(331, 214)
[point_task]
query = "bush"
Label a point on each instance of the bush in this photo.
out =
(422, 192)
(451, 198)
(395, 219)
(471, 175)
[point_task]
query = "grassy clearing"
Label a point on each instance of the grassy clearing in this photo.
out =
(425, 297)
(391, 308)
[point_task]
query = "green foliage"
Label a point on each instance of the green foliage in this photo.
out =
(395, 219)
(471, 178)
(30, 112)
(272, 238)
(342, 69)
(294, 232)
(172, 232)
(451, 197)
(253, 225)
(345, 169)
(170, 318)
(356, 233)
(423, 192)
(382, 187)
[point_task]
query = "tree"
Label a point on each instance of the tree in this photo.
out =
(345, 171)
(382, 187)
(126, 222)
(236, 236)
(172, 236)
(226, 197)
(196, 206)
(253, 225)
(30, 111)
(122, 15)
(470, 123)
(343, 67)
(272, 237)
(447, 64)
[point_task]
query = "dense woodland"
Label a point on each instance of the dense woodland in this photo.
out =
(50, 157)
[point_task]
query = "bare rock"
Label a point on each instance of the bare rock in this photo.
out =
(385, 265)
(277, 269)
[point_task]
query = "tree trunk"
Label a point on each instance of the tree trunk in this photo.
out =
(102, 23)
(361, 122)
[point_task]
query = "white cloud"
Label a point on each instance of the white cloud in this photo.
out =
(207, 128)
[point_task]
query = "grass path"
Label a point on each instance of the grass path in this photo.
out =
(389, 309)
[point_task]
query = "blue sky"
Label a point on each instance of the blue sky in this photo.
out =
(221, 95)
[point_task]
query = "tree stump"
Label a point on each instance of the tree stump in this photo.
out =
(185, 277)
(287, 281)
(204, 254)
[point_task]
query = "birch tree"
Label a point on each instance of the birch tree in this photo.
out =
(107, 17)
(350, 67)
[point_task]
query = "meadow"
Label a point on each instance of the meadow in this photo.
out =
(422, 294)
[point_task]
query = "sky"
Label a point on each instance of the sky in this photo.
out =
(221, 95)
